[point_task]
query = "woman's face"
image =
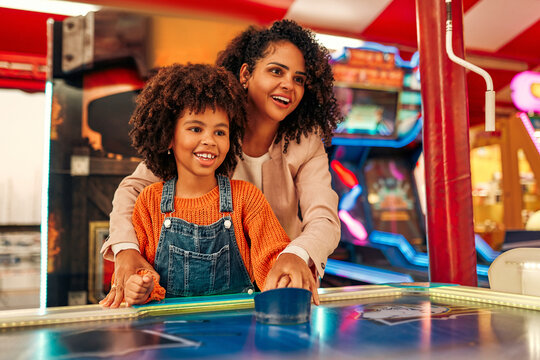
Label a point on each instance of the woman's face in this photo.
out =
(276, 85)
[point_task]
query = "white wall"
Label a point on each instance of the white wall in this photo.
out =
(21, 153)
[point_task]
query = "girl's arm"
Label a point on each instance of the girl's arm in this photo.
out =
(142, 223)
(145, 228)
(121, 233)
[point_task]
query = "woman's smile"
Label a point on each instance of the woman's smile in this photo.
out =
(200, 143)
(276, 86)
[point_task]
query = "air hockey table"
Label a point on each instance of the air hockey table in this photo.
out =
(405, 321)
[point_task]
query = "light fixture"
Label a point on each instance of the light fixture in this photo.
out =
(50, 6)
(337, 43)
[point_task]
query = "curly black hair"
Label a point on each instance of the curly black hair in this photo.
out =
(175, 90)
(318, 110)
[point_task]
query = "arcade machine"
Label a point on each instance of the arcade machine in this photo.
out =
(99, 63)
(375, 161)
(93, 90)
(505, 168)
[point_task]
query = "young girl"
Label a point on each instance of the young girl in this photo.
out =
(203, 233)
(291, 106)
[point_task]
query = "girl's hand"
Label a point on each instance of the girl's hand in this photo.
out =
(138, 289)
(126, 263)
(290, 270)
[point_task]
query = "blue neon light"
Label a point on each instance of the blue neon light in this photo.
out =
(349, 199)
(484, 250)
(414, 257)
(397, 143)
(399, 241)
(482, 270)
(364, 273)
(415, 60)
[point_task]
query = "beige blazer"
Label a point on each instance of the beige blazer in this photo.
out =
(294, 183)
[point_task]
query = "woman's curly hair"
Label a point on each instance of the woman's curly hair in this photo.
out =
(175, 90)
(318, 110)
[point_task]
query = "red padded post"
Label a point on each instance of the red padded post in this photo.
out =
(450, 233)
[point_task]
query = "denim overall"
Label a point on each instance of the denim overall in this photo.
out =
(195, 259)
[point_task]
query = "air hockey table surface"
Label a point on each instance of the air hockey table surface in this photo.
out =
(406, 321)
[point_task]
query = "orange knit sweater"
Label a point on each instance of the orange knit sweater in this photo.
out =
(252, 218)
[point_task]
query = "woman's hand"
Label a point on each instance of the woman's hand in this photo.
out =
(126, 263)
(290, 270)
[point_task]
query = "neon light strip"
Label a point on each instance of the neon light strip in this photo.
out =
(484, 250)
(399, 241)
(364, 273)
(482, 270)
(348, 201)
(414, 257)
(354, 226)
(395, 172)
(527, 123)
(397, 143)
(45, 197)
(346, 176)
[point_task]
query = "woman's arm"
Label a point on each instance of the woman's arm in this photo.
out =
(321, 227)
(266, 235)
(121, 228)
(268, 239)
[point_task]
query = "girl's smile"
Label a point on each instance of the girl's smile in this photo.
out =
(200, 145)
(205, 159)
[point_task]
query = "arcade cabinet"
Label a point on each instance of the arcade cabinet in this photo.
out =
(373, 156)
(98, 65)
(375, 161)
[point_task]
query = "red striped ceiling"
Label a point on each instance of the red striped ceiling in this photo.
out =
(500, 35)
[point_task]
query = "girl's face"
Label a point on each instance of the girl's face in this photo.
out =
(200, 143)
(276, 85)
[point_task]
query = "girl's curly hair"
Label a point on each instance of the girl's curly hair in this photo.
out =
(175, 90)
(318, 111)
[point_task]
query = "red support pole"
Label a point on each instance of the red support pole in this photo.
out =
(452, 254)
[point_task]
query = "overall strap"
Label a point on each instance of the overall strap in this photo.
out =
(225, 194)
(167, 196)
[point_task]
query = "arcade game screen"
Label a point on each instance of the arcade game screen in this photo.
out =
(367, 112)
(392, 199)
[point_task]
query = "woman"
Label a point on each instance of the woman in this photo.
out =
(291, 106)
